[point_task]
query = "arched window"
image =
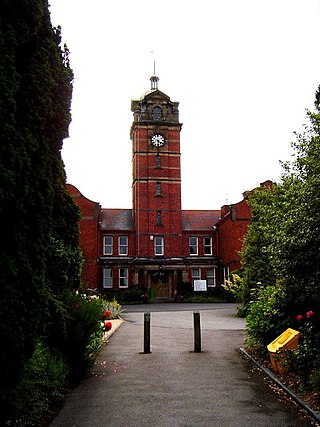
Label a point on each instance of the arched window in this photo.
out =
(157, 113)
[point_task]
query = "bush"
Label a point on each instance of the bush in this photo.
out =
(266, 319)
(76, 324)
(131, 295)
(41, 386)
(308, 354)
(114, 307)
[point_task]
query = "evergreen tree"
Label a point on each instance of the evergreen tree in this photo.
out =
(38, 218)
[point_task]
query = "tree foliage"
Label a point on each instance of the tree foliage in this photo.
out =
(282, 246)
(38, 217)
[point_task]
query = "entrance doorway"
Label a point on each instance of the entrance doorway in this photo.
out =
(159, 281)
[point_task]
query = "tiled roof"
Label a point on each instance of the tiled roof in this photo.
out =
(116, 219)
(199, 220)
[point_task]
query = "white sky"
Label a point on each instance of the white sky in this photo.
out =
(244, 73)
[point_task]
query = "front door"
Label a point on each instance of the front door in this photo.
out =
(160, 283)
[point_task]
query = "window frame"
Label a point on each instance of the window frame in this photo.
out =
(121, 245)
(212, 277)
(157, 113)
(160, 245)
(106, 278)
(159, 218)
(105, 252)
(158, 189)
(193, 245)
(158, 161)
(206, 246)
(123, 277)
(197, 276)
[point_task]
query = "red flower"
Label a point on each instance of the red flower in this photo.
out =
(106, 314)
(299, 317)
(310, 313)
(108, 326)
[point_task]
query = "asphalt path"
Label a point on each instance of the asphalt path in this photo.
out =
(173, 385)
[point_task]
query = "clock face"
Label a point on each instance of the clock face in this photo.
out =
(157, 140)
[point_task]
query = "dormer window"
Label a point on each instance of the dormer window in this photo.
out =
(157, 113)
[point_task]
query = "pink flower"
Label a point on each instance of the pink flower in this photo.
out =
(310, 313)
(299, 317)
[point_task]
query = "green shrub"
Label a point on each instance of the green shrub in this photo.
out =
(41, 385)
(315, 379)
(308, 353)
(266, 319)
(114, 307)
(131, 295)
(76, 324)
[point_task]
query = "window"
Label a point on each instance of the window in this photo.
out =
(123, 245)
(211, 278)
(226, 274)
(193, 245)
(158, 245)
(107, 245)
(207, 245)
(107, 278)
(123, 277)
(159, 219)
(158, 189)
(196, 274)
(158, 161)
(157, 113)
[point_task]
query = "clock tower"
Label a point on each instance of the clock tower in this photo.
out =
(156, 175)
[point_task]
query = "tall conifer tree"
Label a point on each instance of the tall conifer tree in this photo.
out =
(39, 222)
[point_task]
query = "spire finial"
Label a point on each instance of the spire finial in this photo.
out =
(154, 79)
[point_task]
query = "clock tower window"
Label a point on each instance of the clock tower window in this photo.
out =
(158, 161)
(159, 219)
(157, 113)
(158, 189)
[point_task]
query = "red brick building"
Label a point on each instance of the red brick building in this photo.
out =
(156, 244)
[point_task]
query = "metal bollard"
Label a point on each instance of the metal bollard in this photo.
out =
(197, 332)
(146, 348)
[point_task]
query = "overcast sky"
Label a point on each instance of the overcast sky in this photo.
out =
(244, 73)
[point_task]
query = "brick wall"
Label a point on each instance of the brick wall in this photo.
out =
(88, 236)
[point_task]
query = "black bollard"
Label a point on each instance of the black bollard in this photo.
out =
(197, 332)
(146, 349)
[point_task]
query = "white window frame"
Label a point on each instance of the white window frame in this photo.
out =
(226, 274)
(211, 277)
(107, 247)
(195, 274)
(158, 245)
(123, 245)
(207, 246)
(107, 278)
(123, 277)
(193, 246)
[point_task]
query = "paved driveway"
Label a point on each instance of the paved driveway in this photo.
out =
(173, 386)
